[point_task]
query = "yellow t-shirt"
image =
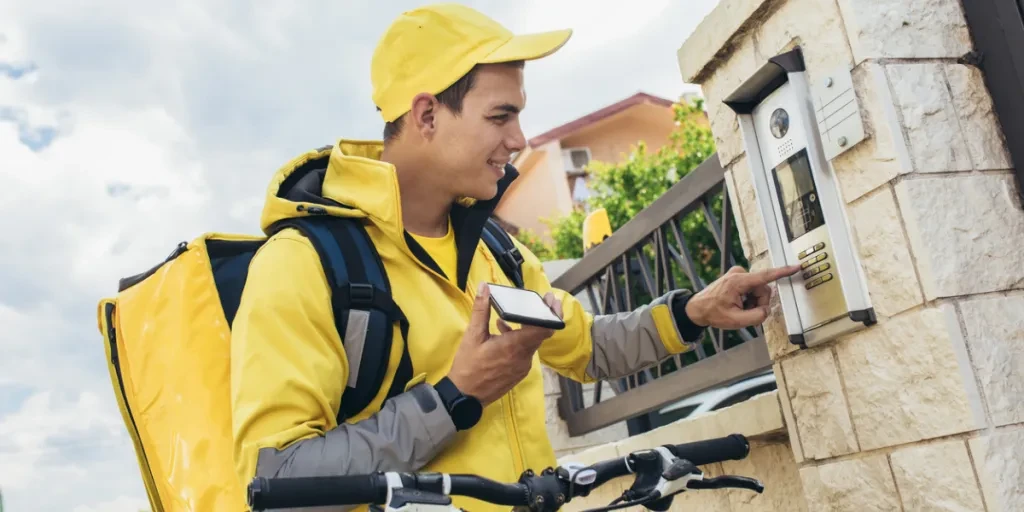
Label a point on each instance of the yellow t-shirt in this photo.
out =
(443, 251)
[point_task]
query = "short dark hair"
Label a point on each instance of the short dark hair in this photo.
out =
(451, 98)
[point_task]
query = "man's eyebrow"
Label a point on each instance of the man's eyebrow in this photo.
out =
(507, 107)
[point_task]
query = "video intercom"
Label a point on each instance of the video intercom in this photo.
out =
(791, 132)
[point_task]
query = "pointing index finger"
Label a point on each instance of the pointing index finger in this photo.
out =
(770, 275)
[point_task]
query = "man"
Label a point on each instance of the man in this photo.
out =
(448, 82)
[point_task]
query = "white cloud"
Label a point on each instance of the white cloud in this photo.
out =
(166, 121)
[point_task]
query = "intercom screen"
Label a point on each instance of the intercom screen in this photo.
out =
(801, 209)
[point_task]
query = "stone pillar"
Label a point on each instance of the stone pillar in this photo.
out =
(925, 409)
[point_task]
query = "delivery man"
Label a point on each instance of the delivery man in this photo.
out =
(448, 82)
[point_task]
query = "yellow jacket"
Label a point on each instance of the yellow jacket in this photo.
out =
(288, 365)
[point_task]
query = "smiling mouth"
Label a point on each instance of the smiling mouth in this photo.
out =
(499, 166)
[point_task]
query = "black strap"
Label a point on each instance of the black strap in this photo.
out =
(505, 251)
(359, 282)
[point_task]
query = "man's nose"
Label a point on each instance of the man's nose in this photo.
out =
(517, 140)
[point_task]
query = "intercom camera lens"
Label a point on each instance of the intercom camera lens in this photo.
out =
(779, 123)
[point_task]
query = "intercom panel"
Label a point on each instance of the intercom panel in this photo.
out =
(802, 210)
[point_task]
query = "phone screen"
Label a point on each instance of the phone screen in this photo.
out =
(522, 306)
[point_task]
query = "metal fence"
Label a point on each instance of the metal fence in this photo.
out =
(685, 239)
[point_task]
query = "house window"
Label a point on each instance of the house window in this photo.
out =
(575, 159)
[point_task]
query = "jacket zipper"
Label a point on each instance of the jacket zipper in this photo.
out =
(115, 361)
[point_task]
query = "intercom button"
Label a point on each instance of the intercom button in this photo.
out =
(807, 263)
(811, 250)
(826, 278)
(816, 270)
(812, 284)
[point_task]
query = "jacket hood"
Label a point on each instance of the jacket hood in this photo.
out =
(348, 179)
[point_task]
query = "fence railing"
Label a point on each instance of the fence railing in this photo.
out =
(685, 239)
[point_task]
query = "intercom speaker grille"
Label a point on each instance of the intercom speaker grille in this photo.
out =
(786, 148)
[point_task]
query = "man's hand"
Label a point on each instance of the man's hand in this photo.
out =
(720, 305)
(488, 366)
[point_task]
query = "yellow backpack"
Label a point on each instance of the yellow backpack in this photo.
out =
(167, 336)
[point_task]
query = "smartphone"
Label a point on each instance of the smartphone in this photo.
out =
(523, 307)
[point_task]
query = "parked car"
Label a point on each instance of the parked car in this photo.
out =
(715, 399)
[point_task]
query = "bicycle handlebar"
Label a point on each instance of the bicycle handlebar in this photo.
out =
(548, 491)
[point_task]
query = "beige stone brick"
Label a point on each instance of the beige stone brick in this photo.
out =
(997, 460)
(813, 24)
(756, 242)
(775, 334)
(905, 380)
(550, 382)
(740, 64)
(816, 395)
(774, 466)
(981, 128)
(558, 431)
(995, 335)
(713, 33)
(966, 232)
(933, 131)
(856, 485)
(900, 29)
(737, 210)
(883, 155)
(787, 414)
(937, 477)
(885, 254)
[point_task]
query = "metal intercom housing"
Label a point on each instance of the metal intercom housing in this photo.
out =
(782, 121)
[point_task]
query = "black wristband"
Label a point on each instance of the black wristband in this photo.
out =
(689, 330)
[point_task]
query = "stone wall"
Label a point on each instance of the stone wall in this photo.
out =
(925, 410)
(771, 460)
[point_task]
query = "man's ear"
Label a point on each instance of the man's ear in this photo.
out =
(424, 114)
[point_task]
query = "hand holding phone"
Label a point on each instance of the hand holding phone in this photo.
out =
(525, 307)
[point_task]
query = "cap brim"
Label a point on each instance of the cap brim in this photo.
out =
(529, 46)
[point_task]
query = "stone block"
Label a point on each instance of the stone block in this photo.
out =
(701, 50)
(816, 395)
(966, 232)
(787, 415)
(995, 335)
(883, 155)
(739, 65)
(737, 210)
(897, 29)
(774, 466)
(905, 380)
(981, 128)
(756, 242)
(853, 485)
(937, 143)
(936, 477)
(558, 431)
(550, 382)
(885, 254)
(815, 26)
(997, 460)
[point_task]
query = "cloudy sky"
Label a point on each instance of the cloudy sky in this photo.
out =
(121, 126)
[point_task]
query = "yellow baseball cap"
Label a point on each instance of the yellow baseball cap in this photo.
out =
(430, 48)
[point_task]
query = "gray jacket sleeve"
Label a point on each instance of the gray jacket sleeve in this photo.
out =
(625, 343)
(408, 431)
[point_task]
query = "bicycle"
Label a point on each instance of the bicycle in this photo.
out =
(661, 473)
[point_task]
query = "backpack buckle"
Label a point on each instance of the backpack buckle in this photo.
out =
(361, 295)
(513, 258)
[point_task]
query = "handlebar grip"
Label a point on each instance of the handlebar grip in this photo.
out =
(269, 493)
(732, 447)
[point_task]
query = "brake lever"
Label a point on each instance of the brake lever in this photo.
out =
(720, 482)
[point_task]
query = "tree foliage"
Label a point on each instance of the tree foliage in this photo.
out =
(625, 188)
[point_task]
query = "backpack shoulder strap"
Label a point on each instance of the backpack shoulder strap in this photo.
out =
(509, 258)
(364, 310)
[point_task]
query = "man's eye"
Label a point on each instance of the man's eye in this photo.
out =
(500, 118)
